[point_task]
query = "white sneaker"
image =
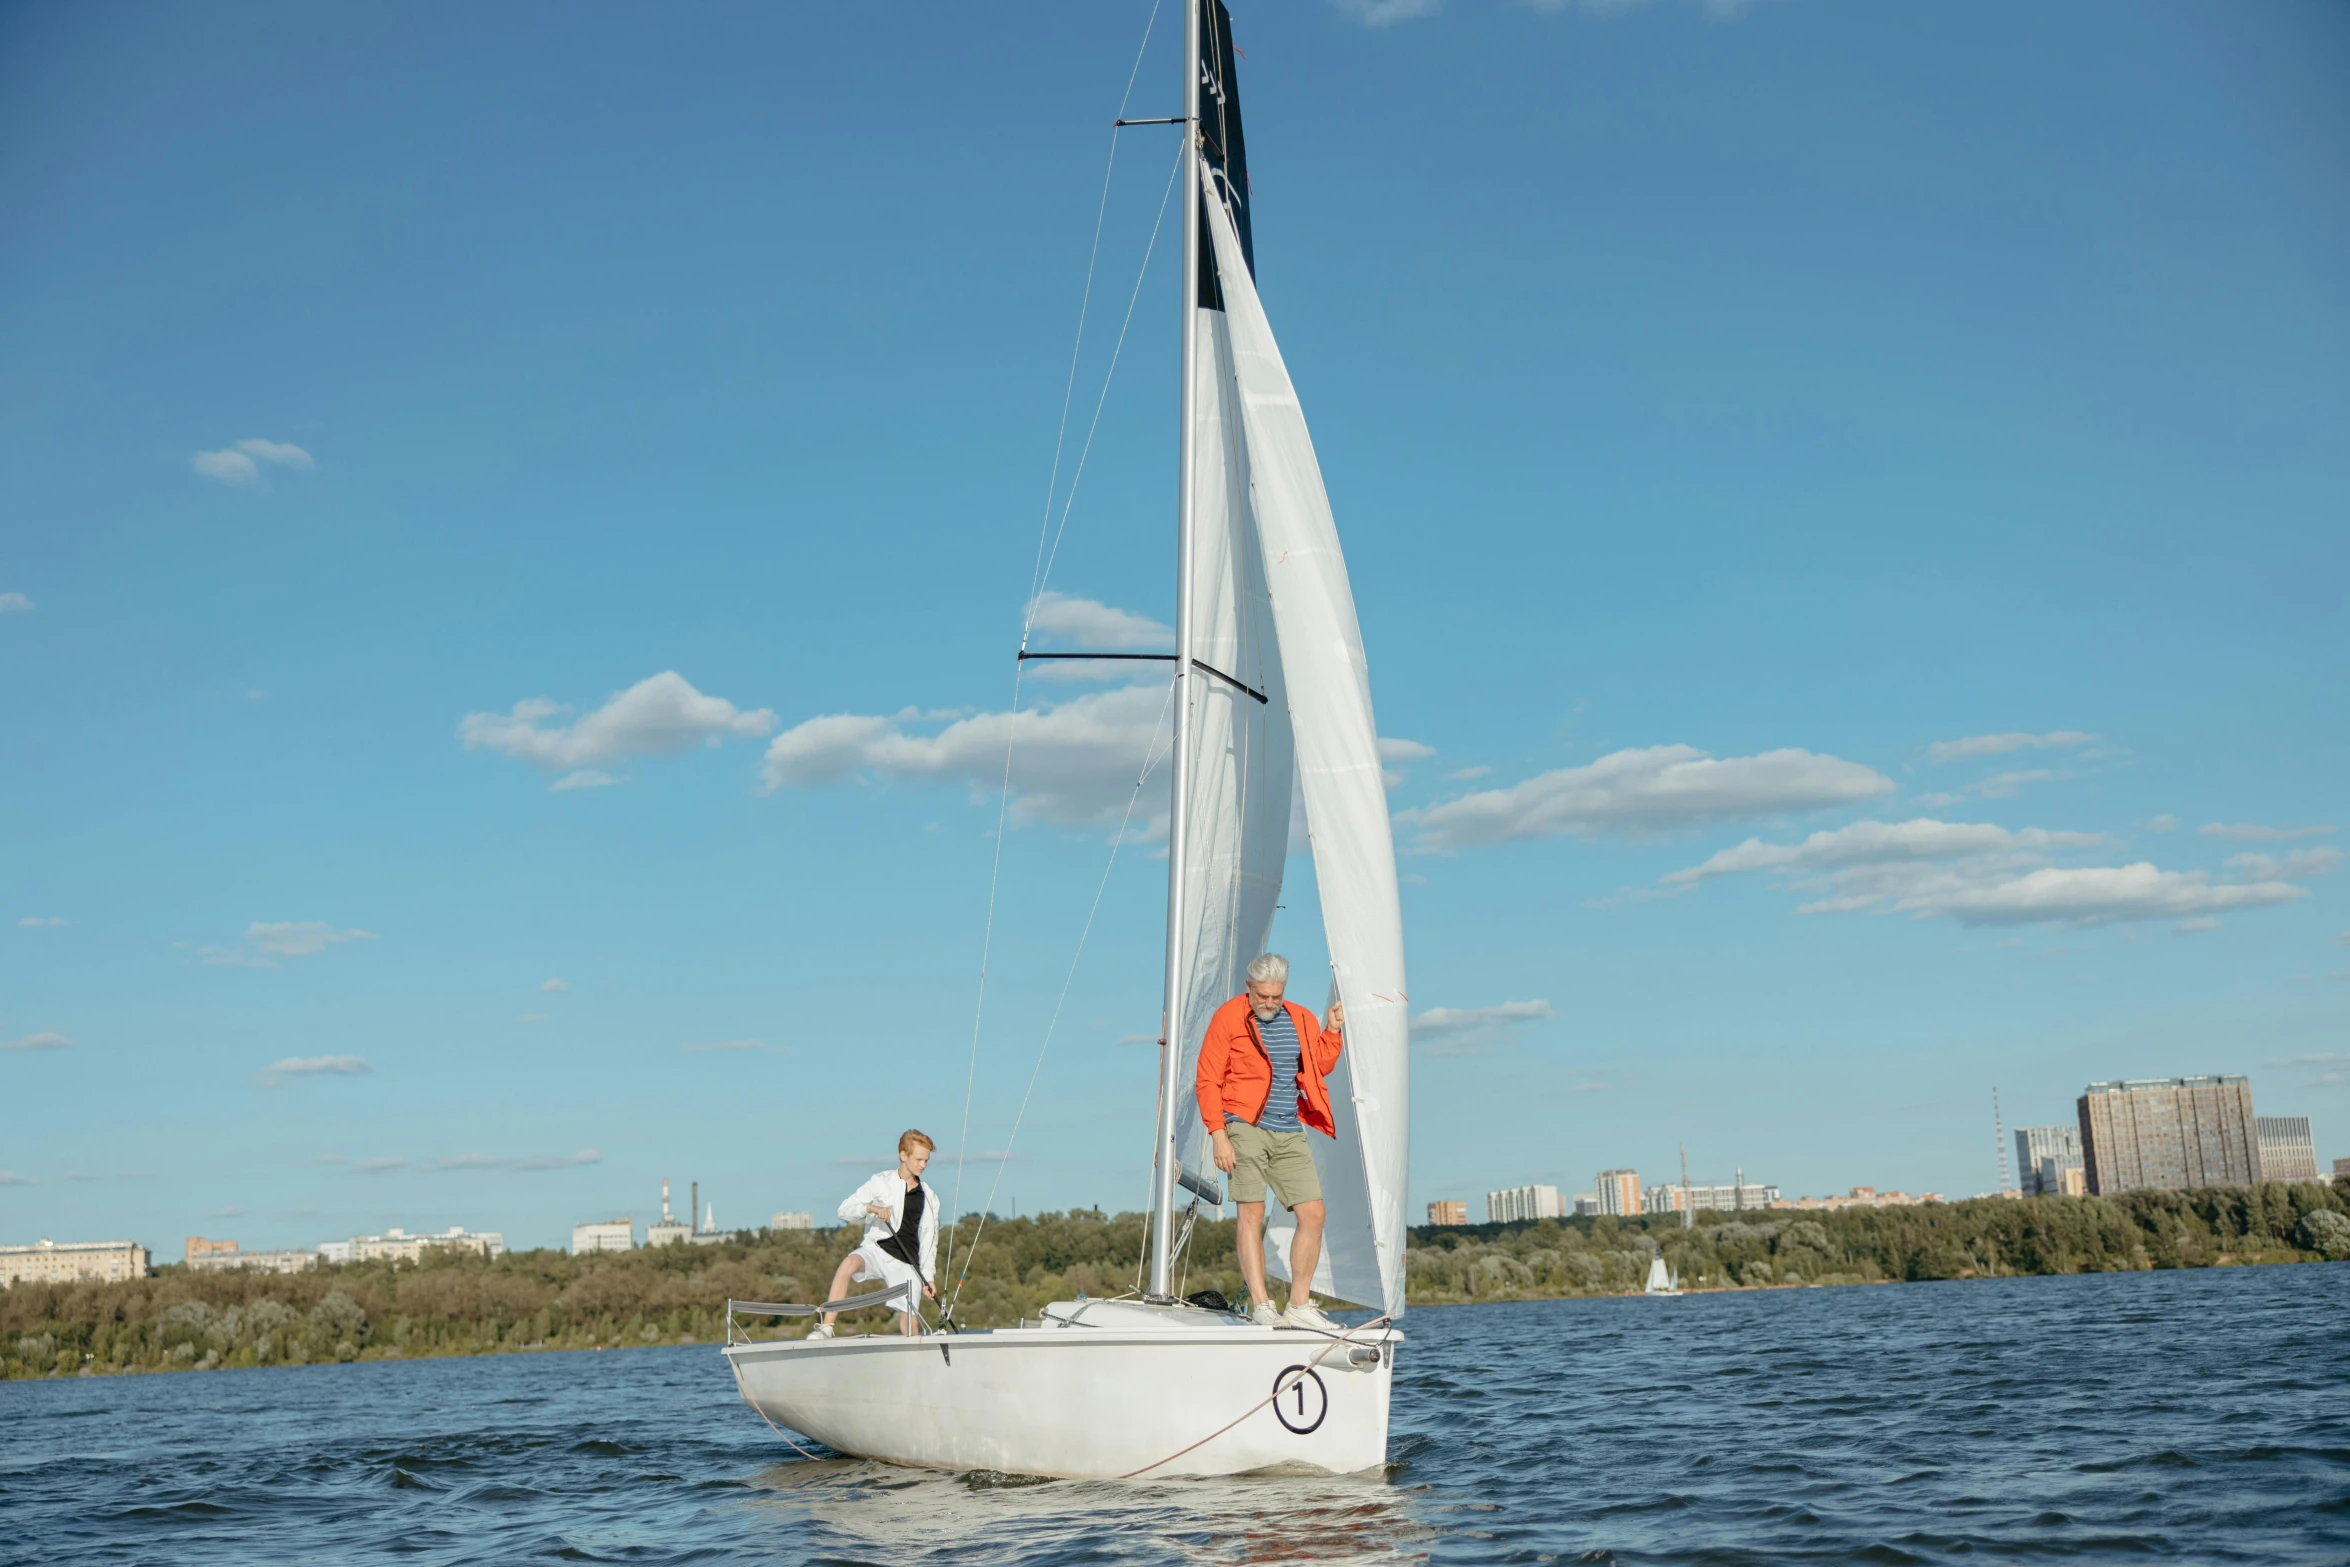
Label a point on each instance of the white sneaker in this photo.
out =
(1265, 1314)
(821, 1330)
(1305, 1314)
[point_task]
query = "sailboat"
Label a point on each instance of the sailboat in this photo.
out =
(1271, 688)
(1658, 1282)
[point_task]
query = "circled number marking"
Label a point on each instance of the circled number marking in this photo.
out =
(1300, 1400)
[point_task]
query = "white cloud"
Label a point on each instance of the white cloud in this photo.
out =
(2253, 832)
(315, 1066)
(39, 921)
(1464, 1023)
(532, 1017)
(15, 604)
(228, 466)
(2163, 823)
(41, 1041)
(724, 1044)
(1982, 875)
(1385, 13)
(1467, 774)
(553, 986)
(483, 1161)
(11, 1178)
(1654, 789)
(585, 778)
(2292, 865)
(2196, 926)
(378, 1166)
(299, 938)
(1073, 765)
(1994, 745)
(283, 454)
(1877, 843)
(241, 464)
(1391, 750)
(658, 716)
(1095, 627)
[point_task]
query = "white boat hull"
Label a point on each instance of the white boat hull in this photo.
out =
(1086, 1403)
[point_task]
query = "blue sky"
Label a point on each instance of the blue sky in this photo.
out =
(1846, 502)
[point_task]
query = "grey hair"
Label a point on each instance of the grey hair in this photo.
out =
(1272, 966)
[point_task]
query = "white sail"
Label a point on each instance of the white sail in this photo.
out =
(1237, 808)
(1337, 745)
(1658, 1283)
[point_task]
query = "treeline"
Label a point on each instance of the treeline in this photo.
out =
(1982, 1238)
(466, 1305)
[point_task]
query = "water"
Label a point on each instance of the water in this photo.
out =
(2200, 1417)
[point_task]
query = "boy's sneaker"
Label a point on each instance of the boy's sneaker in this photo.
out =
(1265, 1314)
(1305, 1314)
(821, 1330)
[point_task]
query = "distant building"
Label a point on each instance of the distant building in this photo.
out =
(1732, 1196)
(1448, 1213)
(1586, 1204)
(2042, 1155)
(792, 1221)
(400, 1246)
(1859, 1197)
(1664, 1199)
(254, 1262)
(337, 1253)
(198, 1246)
(1523, 1202)
(1619, 1191)
(604, 1235)
(73, 1262)
(2287, 1152)
(2168, 1134)
(2342, 1169)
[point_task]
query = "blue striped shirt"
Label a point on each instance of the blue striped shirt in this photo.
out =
(1280, 1037)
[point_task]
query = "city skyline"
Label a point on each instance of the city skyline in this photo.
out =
(505, 655)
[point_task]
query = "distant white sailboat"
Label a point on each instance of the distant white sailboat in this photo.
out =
(1658, 1282)
(1271, 685)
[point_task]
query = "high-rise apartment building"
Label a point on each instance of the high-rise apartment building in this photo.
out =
(2042, 1155)
(1522, 1202)
(1733, 1196)
(1619, 1191)
(2168, 1134)
(2287, 1151)
(1451, 1212)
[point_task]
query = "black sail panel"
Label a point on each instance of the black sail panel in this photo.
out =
(1221, 143)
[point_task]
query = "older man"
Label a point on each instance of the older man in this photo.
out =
(1260, 1086)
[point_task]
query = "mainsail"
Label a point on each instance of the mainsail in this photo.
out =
(1337, 749)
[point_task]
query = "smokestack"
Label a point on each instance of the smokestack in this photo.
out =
(694, 1213)
(665, 1219)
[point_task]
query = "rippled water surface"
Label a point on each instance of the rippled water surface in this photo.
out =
(2197, 1417)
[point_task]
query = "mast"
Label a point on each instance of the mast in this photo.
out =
(1172, 1034)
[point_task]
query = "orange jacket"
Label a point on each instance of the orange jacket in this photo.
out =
(1236, 1074)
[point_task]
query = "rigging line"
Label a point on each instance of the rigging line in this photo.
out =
(986, 948)
(1027, 620)
(1077, 476)
(1150, 763)
(1084, 303)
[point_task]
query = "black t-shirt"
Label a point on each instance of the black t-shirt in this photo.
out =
(905, 1243)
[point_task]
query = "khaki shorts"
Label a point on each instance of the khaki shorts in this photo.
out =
(1280, 1160)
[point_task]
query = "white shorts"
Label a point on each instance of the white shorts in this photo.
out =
(874, 1263)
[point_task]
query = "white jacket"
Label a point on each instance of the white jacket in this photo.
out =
(889, 1189)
